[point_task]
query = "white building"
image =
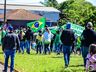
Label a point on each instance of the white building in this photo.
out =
(48, 12)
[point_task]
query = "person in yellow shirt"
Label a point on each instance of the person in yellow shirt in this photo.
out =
(39, 41)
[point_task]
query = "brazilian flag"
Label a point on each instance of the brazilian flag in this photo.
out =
(37, 25)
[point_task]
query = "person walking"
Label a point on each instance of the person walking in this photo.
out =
(21, 36)
(29, 37)
(57, 42)
(47, 40)
(87, 37)
(67, 38)
(10, 44)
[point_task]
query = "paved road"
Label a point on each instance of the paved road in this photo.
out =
(1, 68)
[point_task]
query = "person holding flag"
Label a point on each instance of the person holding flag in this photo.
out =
(47, 40)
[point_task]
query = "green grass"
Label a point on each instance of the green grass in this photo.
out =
(45, 63)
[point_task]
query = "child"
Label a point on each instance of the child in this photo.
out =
(91, 59)
(39, 42)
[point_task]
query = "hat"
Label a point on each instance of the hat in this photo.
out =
(89, 24)
(68, 25)
(10, 28)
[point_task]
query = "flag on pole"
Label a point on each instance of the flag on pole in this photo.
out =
(37, 25)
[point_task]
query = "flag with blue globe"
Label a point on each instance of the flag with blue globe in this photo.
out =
(37, 25)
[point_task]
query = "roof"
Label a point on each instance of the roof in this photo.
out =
(21, 14)
(29, 7)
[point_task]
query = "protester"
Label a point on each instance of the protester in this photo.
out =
(88, 37)
(52, 43)
(29, 38)
(3, 33)
(47, 40)
(22, 41)
(91, 59)
(57, 42)
(67, 38)
(10, 44)
(39, 42)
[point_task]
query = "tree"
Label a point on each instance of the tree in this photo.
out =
(75, 11)
(50, 3)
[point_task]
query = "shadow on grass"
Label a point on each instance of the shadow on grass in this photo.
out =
(32, 54)
(1, 52)
(76, 65)
(57, 57)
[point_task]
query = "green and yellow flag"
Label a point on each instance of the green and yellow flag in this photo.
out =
(37, 25)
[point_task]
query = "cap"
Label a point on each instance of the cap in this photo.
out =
(68, 25)
(10, 28)
(89, 24)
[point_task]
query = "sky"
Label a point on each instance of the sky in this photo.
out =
(36, 1)
(26, 1)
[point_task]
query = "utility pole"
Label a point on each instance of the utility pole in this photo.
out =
(4, 11)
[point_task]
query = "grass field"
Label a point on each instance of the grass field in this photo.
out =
(45, 63)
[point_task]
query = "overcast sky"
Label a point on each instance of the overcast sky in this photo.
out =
(36, 1)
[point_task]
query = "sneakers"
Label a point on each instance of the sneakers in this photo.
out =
(66, 66)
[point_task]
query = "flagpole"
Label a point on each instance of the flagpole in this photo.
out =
(4, 11)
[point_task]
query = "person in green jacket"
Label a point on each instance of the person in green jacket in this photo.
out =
(78, 46)
(57, 42)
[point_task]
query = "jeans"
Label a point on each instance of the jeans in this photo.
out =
(46, 48)
(11, 54)
(28, 46)
(67, 52)
(84, 51)
(22, 45)
(39, 48)
(57, 46)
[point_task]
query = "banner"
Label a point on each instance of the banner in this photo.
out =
(76, 28)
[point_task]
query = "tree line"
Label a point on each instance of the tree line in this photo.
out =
(75, 11)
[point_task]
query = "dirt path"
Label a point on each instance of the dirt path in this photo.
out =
(2, 67)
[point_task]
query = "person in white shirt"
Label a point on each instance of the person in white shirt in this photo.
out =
(47, 40)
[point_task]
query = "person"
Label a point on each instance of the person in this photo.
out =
(87, 37)
(52, 43)
(21, 36)
(67, 38)
(39, 41)
(29, 37)
(78, 45)
(91, 59)
(47, 40)
(10, 44)
(57, 42)
(3, 33)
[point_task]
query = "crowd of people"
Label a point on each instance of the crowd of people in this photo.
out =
(45, 42)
